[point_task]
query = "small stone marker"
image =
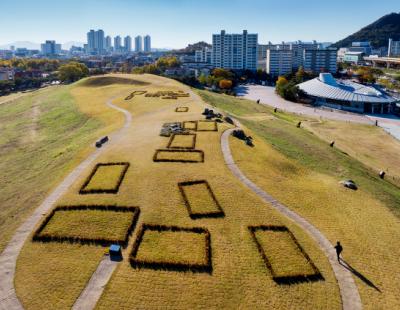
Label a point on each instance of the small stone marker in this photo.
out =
(115, 250)
(382, 174)
(332, 143)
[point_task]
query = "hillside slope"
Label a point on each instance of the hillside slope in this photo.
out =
(378, 33)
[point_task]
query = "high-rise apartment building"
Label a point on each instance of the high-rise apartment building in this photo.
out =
(138, 44)
(320, 60)
(235, 51)
(50, 48)
(204, 55)
(279, 62)
(147, 44)
(96, 42)
(117, 44)
(128, 44)
(108, 45)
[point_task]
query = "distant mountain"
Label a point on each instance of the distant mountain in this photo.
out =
(378, 33)
(191, 48)
(22, 44)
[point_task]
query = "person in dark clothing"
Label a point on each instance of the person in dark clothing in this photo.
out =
(339, 249)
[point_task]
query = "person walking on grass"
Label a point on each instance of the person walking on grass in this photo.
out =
(339, 249)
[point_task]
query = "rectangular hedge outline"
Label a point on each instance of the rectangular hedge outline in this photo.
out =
(172, 266)
(293, 279)
(215, 127)
(171, 139)
(181, 109)
(96, 241)
(218, 214)
(178, 160)
(114, 190)
(193, 122)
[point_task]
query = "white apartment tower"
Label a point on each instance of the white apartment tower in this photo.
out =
(128, 44)
(235, 51)
(393, 48)
(147, 44)
(138, 44)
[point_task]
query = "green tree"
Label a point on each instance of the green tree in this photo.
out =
(72, 71)
(202, 79)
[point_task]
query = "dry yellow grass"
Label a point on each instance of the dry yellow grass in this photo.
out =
(105, 178)
(283, 254)
(369, 232)
(207, 126)
(190, 125)
(200, 199)
(92, 224)
(369, 144)
(182, 141)
(180, 247)
(239, 279)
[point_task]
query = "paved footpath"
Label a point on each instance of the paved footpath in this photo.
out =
(8, 258)
(93, 290)
(348, 289)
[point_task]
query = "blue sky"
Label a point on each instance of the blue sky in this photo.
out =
(175, 23)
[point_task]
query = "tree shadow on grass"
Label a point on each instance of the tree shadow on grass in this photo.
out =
(358, 274)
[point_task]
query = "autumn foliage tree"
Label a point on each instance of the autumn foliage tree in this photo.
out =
(72, 71)
(225, 84)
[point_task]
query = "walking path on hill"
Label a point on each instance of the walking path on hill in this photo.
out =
(8, 258)
(93, 290)
(267, 96)
(348, 290)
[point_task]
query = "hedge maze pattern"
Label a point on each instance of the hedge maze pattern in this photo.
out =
(197, 156)
(111, 190)
(38, 236)
(182, 109)
(290, 278)
(135, 93)
(194, 211)
(175, 143)
(160, 264)
(190, 125)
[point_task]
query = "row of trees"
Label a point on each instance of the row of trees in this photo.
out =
(29, 64)
(286, 86)
(162, 64)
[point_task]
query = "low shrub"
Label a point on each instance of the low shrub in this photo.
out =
(177, 159)
(290, 278)
(135, 93)
(39, 236)
(83, 190)
(160, 264)
(216, 213)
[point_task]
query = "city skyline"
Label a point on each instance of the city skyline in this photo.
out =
(43, 20)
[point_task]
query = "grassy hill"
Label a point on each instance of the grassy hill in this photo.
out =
(378, 33)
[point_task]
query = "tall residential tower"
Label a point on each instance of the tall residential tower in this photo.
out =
(147, 44)
(138, 44)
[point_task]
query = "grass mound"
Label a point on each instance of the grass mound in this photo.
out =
(92, 224)
(182, 141)
(283, 255)
(180, 156)
(109, 80)
(200, 200)
(105, 178)
(172, 248)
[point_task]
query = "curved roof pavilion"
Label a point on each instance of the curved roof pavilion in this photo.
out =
(326, 86)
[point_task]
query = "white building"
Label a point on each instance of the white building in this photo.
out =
(347, 95)
(6, 74)
(50, 48)
(128, 44)
(138, 44)
(288, 57)
(235, 51)
(147, 44)
(117, 44)
(204, 55)
(393, 48)
(279, 62)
